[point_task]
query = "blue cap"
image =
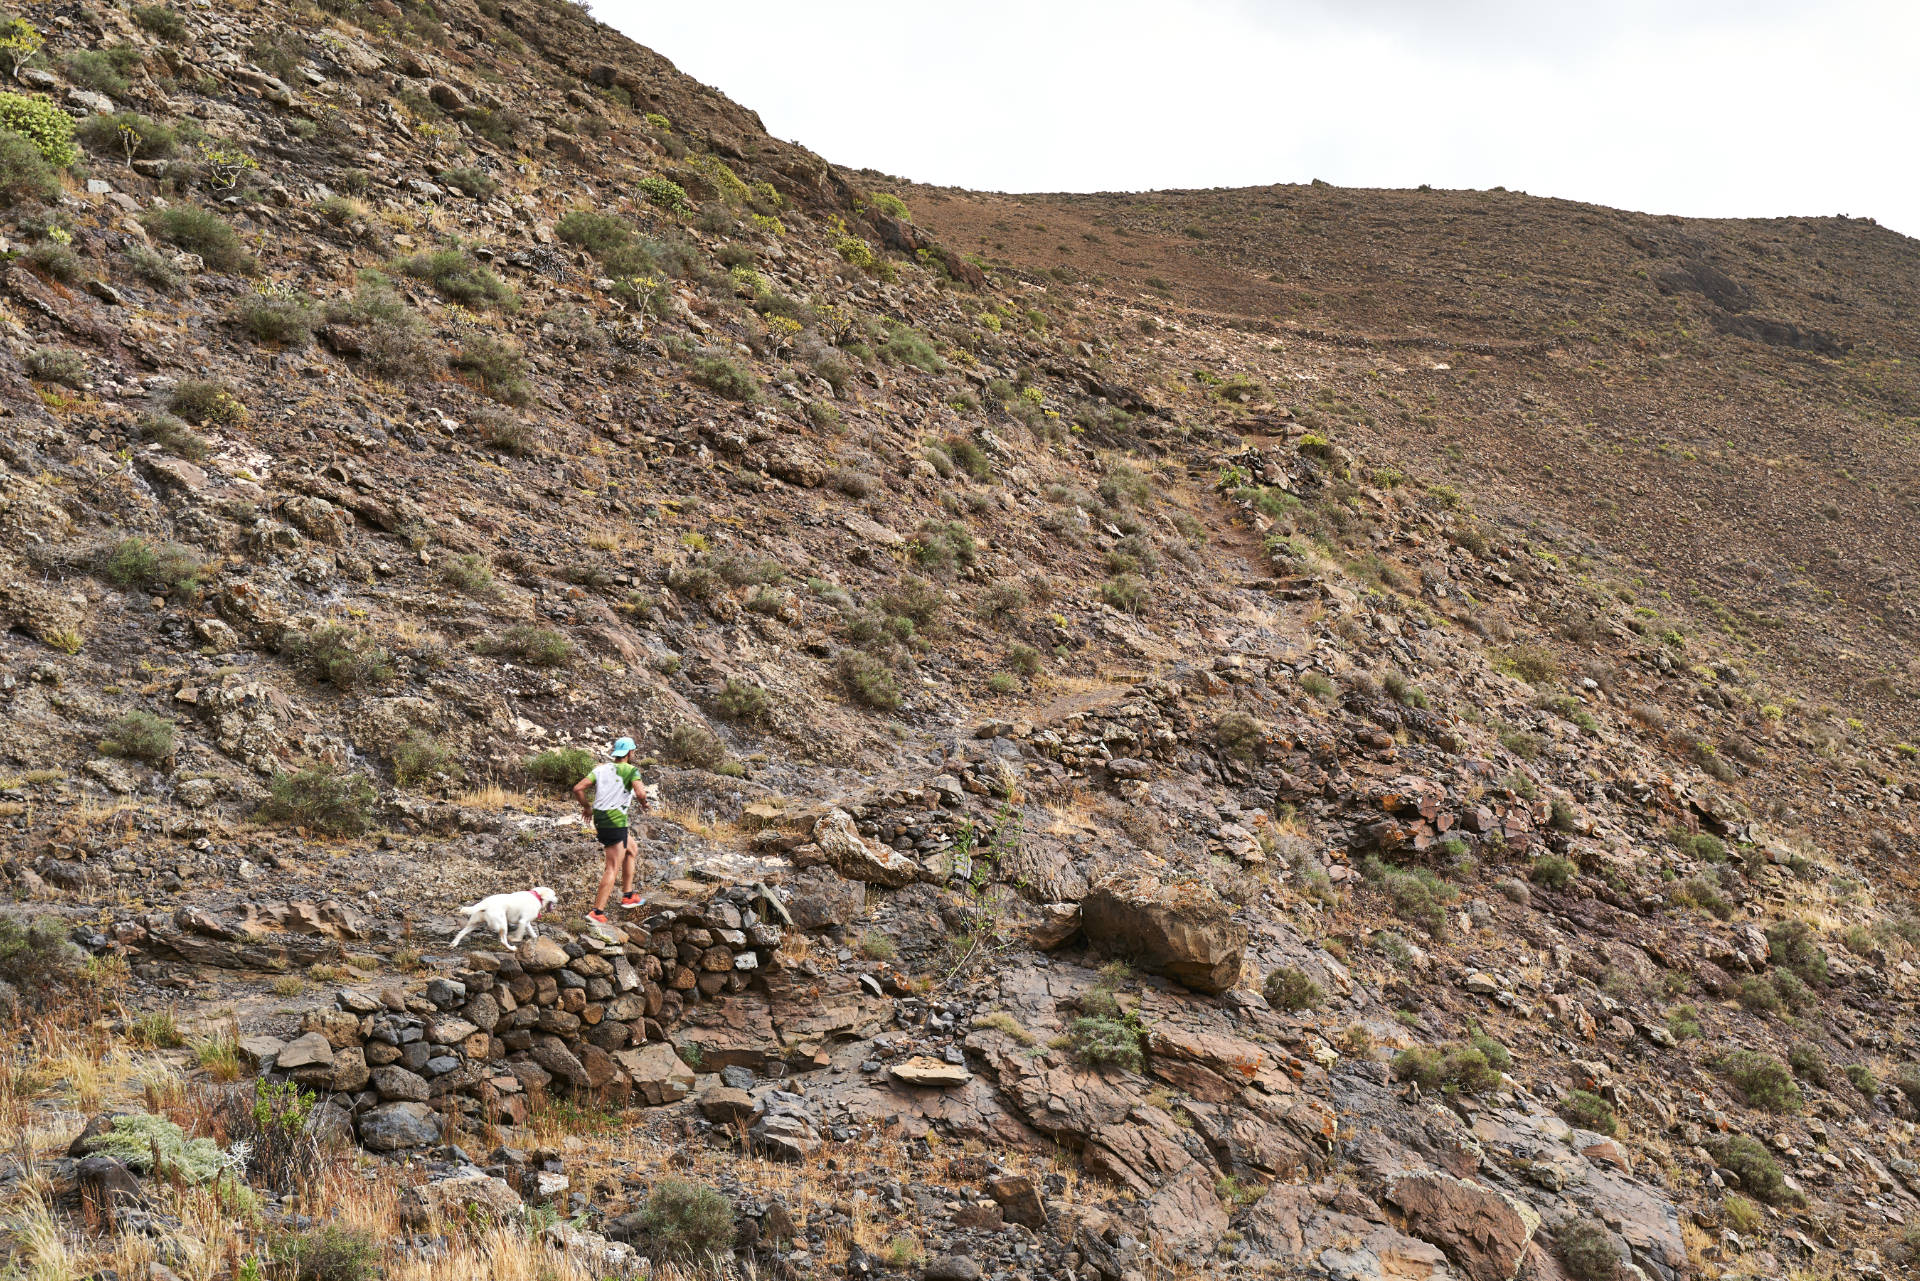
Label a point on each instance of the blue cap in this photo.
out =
(621, 746)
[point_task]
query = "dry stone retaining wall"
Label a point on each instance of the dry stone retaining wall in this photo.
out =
(585, 1016)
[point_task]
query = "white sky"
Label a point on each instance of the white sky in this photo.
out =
(1699, 107)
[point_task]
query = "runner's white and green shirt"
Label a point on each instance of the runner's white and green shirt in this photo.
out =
(613, 786)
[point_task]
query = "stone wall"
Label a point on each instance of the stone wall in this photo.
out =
(585, 1016)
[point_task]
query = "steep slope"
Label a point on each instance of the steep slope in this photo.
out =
(1263, 771)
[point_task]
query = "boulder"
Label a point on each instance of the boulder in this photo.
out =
(396, 1083)
(1019, 1200)
(856, 858)
(309, 1050)
(107, 1185)
(460, 1196)
(1485, 1233)
(393, 1126)
(539, 955)
(349, 1070)
(724, 1104)
(922, 1070)
(1185, 933)
(659, 1077)
(817, 899)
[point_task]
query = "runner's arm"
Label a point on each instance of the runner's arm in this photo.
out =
(580, 794)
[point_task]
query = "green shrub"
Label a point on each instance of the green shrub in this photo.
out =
(338, 655)
(61, 365)
(168, 432)
(36, 960)
(534, 646)
(1753, 1165)
(561, 766)
(141, 736)
(24, 173)
(1024, 659)
(695, 745)
(325, 798)
(457, 275)
(868, 681)
(1808, 1063)
(1417, 894)
(129, 135)
(741, 701)
(1861, 1077)
(1105, 1041)
(969, 457)
(1126, 592)
(55, 261)
(41, 122)
(1317, 686)
(944, 546)
(1587, 1250)
(1762, 1080)
(1701, 845)
(276, 318)
(200, 400)
(508, 434)
(162, 21)
(1239, 737)
(470, 575)
(729, 378)
(152, 266)
(599, 234)
(1292, 989)
(669, 195)
(499, 366)
(1757, 995)
(154, 1145)
(1796, 949)
(915, 599)
(1590, 1112)
(1552, 871)
(1004, 683)
(909, 347)
(1701, 892)
(199, 231)
(1533, 664)
(1124, 486)
(687, 1222)
(331, 1252)
(95, 69)
(1453, 1069)
(419, 756)
(135, 562)
(470, 181)
(1745, 1215)
(1683, 1021)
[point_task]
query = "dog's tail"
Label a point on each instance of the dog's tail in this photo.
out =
(468, 910)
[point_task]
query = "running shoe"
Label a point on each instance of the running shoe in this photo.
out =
(598, 917)
(633, 900)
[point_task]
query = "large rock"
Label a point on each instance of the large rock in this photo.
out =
(658, 1074)
(856, 858)
(539, 955)
(310, 1050)
(1185, 934)
(397, 1083)
(816, 899)
(393, 1126)
(923, 1070)
(460, 1196)
(1485, 1233)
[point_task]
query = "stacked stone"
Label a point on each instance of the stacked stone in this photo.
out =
(589, 1016)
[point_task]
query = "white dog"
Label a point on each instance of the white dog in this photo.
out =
(503, 912)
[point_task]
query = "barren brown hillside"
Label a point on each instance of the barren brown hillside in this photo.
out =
(1238, 734)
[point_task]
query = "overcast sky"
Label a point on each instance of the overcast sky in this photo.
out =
(1702, 107)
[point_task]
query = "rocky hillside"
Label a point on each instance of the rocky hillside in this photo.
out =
(1291, 732)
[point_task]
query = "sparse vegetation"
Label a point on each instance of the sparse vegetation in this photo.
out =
(561, 766)
(687, 1222)
(199, 231)
(141, 736)
(1292, 989)
(324, 798)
